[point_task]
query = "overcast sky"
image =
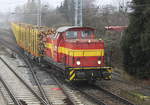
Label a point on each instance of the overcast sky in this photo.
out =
(9, 5)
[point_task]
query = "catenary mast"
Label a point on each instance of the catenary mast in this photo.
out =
(78, 12)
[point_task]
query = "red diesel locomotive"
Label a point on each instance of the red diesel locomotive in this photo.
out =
(75, 50)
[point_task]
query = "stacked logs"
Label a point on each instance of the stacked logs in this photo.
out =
(44, 34)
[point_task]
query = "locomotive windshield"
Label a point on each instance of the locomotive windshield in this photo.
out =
(83, 34)
(72, 35)
(86, 34)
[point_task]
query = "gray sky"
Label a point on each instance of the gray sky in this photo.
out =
(9, 5)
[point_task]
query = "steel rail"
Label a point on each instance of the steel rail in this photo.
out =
(9, 90)
(125, 101)
(90, 97)
(61, 86)
(23, 81)
(42, 92)
(71, 101)
(98, 101)
(38, 83)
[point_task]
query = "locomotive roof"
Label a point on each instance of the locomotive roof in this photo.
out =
(65, 28)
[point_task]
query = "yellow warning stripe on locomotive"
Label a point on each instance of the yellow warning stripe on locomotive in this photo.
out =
(72, 77)
(71, 52)
(71, 72)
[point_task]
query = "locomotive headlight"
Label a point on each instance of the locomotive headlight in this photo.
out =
(89, 41)
(78, 62)
(99, 62)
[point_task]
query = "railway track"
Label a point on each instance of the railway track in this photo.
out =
(42, 97)
(68, 92)
(11, 94)
(22, 90)
(101, 96)
(71, 98)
